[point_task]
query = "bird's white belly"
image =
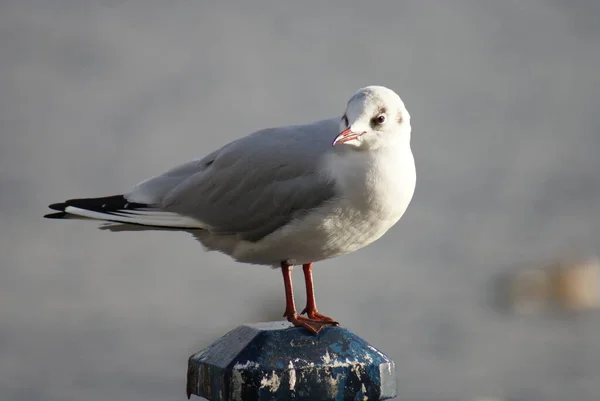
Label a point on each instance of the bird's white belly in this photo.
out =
(313, 238)
(340, 226)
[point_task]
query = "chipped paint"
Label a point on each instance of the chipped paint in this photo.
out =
(271, 384)
(237, 380)
(333, 384)
(356, 370)
(236, 384)
(362, 394)
(247, 365)
(292, 374)
(259, 361)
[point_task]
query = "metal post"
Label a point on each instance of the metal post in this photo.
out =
(272, 361)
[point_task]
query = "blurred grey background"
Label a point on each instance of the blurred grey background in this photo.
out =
(95, 96)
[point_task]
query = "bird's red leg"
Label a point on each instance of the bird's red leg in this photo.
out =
(312, 325)
(290, 304)
(311, 305)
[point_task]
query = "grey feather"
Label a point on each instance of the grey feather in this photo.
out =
(252, 186)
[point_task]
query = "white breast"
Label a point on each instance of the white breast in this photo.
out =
(380, 182)
(374, 192)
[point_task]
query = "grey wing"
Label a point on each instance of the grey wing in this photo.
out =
(252, 186)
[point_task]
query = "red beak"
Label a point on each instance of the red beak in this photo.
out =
(345, 136)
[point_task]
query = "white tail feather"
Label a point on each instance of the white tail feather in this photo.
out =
(146, 217)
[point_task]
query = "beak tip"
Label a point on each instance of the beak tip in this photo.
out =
(346, 136)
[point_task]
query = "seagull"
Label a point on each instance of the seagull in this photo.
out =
(283, 196)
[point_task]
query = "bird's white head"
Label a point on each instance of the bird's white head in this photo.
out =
(375, 117)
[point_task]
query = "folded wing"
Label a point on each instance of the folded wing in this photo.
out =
(250, 187)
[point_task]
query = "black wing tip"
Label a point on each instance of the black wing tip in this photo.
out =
(105, 204)
(59, 215)
(58, 206)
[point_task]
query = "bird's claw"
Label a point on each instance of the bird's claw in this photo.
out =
(312, 325)
(315, 315)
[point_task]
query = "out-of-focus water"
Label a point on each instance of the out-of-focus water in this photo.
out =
(95, 96)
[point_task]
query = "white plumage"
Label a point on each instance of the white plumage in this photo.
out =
(284, 196)
(287, 194)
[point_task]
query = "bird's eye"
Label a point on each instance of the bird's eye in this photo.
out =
(380, 119)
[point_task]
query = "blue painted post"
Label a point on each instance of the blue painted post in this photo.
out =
(273, 361)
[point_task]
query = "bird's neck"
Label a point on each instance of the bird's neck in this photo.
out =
(373, 176)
